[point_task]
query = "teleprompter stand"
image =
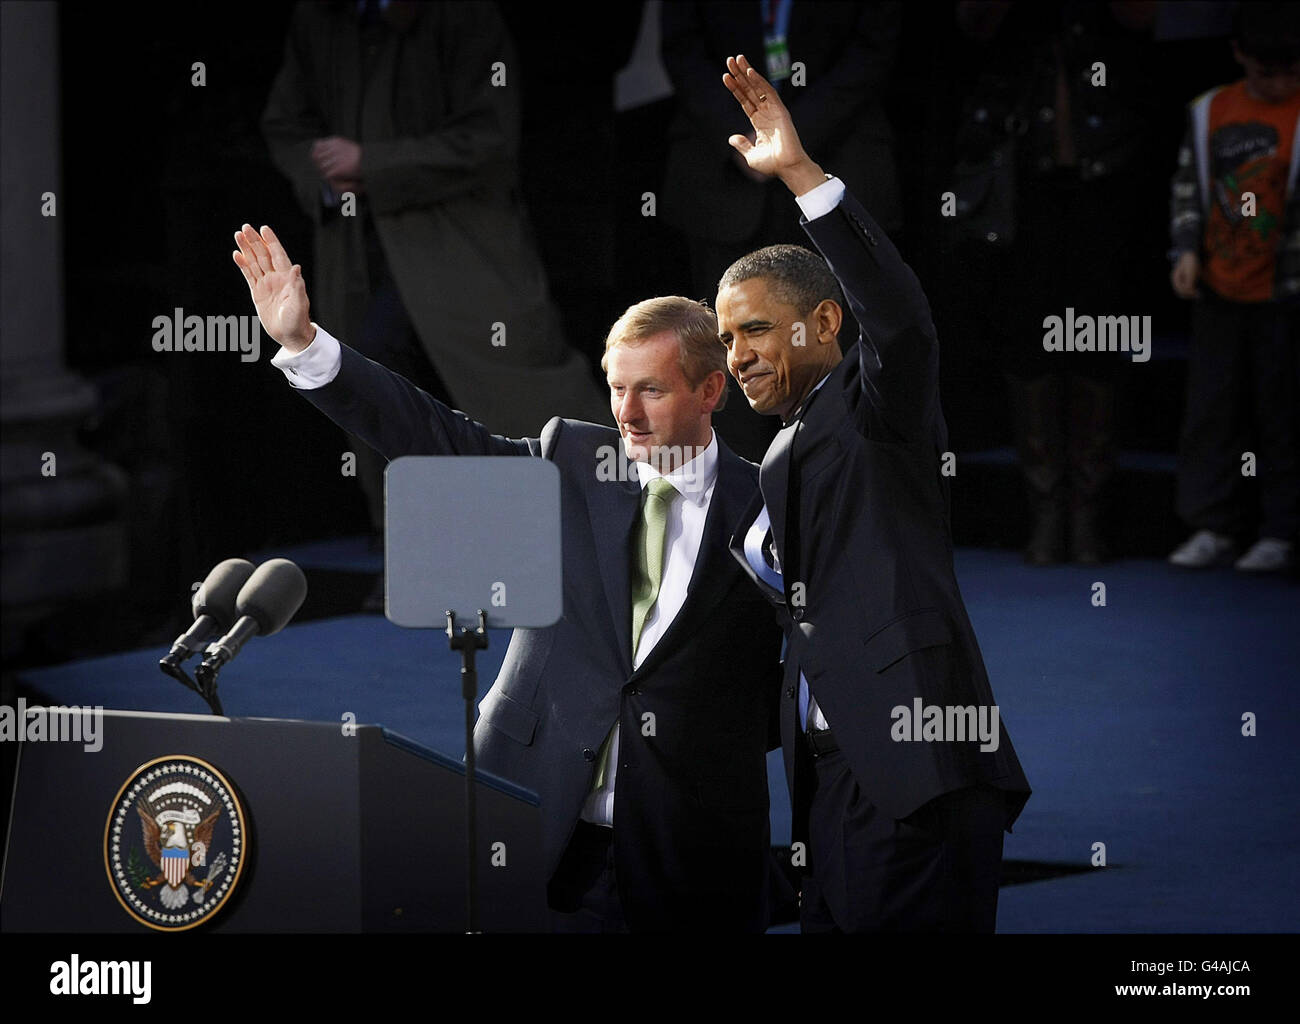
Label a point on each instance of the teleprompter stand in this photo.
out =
(469, 642)
(472, 532)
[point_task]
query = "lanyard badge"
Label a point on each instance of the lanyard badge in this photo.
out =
(776, 25)
(778, 58)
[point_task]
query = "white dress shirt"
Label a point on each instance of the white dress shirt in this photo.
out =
(694, 482)
(313, 367)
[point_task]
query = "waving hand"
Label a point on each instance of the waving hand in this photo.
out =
(276, 286)
(776, 148)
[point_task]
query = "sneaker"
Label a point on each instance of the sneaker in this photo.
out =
(1205, 548)
(1268, 554)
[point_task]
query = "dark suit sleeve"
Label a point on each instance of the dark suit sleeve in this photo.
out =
(396, 418)
(897, 347)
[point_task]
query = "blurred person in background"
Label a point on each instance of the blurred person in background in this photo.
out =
(1236, 234)
(398, 126)
(1054, 144)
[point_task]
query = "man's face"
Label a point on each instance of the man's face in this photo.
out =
(663, 420)
(775, 363)
(1272, 83)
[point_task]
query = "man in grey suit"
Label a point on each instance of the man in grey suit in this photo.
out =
(643, 717)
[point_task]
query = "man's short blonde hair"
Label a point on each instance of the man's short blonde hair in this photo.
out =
(695, 325)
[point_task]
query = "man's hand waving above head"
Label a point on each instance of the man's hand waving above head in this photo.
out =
(276, 286)
(776, 148)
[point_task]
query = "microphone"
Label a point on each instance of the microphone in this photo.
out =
(213, 605)
(270, 598)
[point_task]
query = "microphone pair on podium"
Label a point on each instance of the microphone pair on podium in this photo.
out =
(234, 604)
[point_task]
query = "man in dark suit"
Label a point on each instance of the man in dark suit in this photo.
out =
(642, 718)
(901, 775)
(831, 63)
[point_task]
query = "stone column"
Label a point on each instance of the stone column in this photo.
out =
(60, 506)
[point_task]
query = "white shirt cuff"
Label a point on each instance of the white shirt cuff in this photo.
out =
(821, 200)
(313, 367)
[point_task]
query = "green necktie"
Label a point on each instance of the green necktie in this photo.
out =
(648, 549)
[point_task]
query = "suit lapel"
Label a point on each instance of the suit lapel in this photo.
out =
(776, 473)
(737, 546)
(774, 480)
(613, 507)
(714, 572)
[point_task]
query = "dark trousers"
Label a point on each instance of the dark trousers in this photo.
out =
(937, 870)
(1241, 397)
(583, 892)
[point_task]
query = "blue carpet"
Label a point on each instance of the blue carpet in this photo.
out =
(1127, 719)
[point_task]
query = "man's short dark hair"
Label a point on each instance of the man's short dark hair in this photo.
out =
(1269, 32)
(799, 277)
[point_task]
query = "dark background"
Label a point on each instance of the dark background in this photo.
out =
(220, 457)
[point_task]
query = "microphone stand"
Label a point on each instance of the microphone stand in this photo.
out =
(205, 688)
(469, 642)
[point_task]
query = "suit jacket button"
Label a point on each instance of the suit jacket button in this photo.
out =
(789, 691)
(588, 754)
(632, 691)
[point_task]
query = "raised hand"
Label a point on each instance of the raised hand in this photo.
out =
(276, 286)
(775, 148)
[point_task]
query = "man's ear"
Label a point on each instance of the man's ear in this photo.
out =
(714, 385)
(827, 318)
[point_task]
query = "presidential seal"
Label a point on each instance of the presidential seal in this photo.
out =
(175, 843)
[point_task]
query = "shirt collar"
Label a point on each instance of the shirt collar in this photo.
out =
(693, 479)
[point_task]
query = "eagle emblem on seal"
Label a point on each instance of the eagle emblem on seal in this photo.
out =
(174, 850)
(175, 842)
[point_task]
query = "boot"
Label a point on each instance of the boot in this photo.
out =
(1092, 464)
(1037, 407)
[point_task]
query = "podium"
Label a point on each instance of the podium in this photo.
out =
(325, 828)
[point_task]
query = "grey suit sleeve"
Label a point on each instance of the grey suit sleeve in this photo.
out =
(396, 418)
